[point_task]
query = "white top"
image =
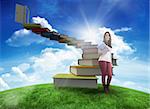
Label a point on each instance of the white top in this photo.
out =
(105, 52)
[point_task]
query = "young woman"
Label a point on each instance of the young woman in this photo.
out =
(105, 61)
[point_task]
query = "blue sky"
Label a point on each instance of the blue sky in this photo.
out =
(71, 16)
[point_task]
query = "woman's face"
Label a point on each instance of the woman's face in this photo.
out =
(107, 37)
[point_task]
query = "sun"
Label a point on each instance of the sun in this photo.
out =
(89, 34)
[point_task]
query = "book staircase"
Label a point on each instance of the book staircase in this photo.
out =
(84, 74)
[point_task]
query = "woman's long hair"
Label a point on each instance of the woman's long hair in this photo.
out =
(109, 41)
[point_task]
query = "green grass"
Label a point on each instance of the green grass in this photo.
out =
(46, 96)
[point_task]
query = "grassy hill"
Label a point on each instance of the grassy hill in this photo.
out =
(46, 96)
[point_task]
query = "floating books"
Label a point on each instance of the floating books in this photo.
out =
(90, 50)
(40, 30)
(89, 46)
(80, 44)
(51, 35)
(30, 26)
(90, 56)
(88, 62)
(85, 70)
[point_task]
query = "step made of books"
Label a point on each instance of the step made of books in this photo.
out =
(79, 45)
(88, 62)
(51, 35)
(90, 50)
(71, 41)
(76, 43)
(30, 26)
(70, 80)
(90, 56)
(85, 70)
(88, 46)
(40, 30)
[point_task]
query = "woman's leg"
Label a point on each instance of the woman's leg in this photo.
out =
(103, 71)
(109, 71)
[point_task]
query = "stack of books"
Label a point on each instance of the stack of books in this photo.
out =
(84, 74)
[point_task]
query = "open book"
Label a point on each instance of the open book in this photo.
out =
(103, 49)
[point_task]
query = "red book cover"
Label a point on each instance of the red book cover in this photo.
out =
(40, 30)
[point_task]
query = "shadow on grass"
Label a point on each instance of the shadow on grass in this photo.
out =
(88, 91)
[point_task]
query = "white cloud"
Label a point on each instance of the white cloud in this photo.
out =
(130, 66)
(25, 37)
(53, 61)
(6, 75)
(19, 73)
(23, 67)
(132, 69)
(44, 23)
(118, 42)
(124, 29)
(43, 67)
(1, 69)
(3, 85)
(132, 73)
(17, 76)
(131, 84)
(22, 32)
(120, 46)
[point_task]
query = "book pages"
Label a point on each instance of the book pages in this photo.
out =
(103, 49)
